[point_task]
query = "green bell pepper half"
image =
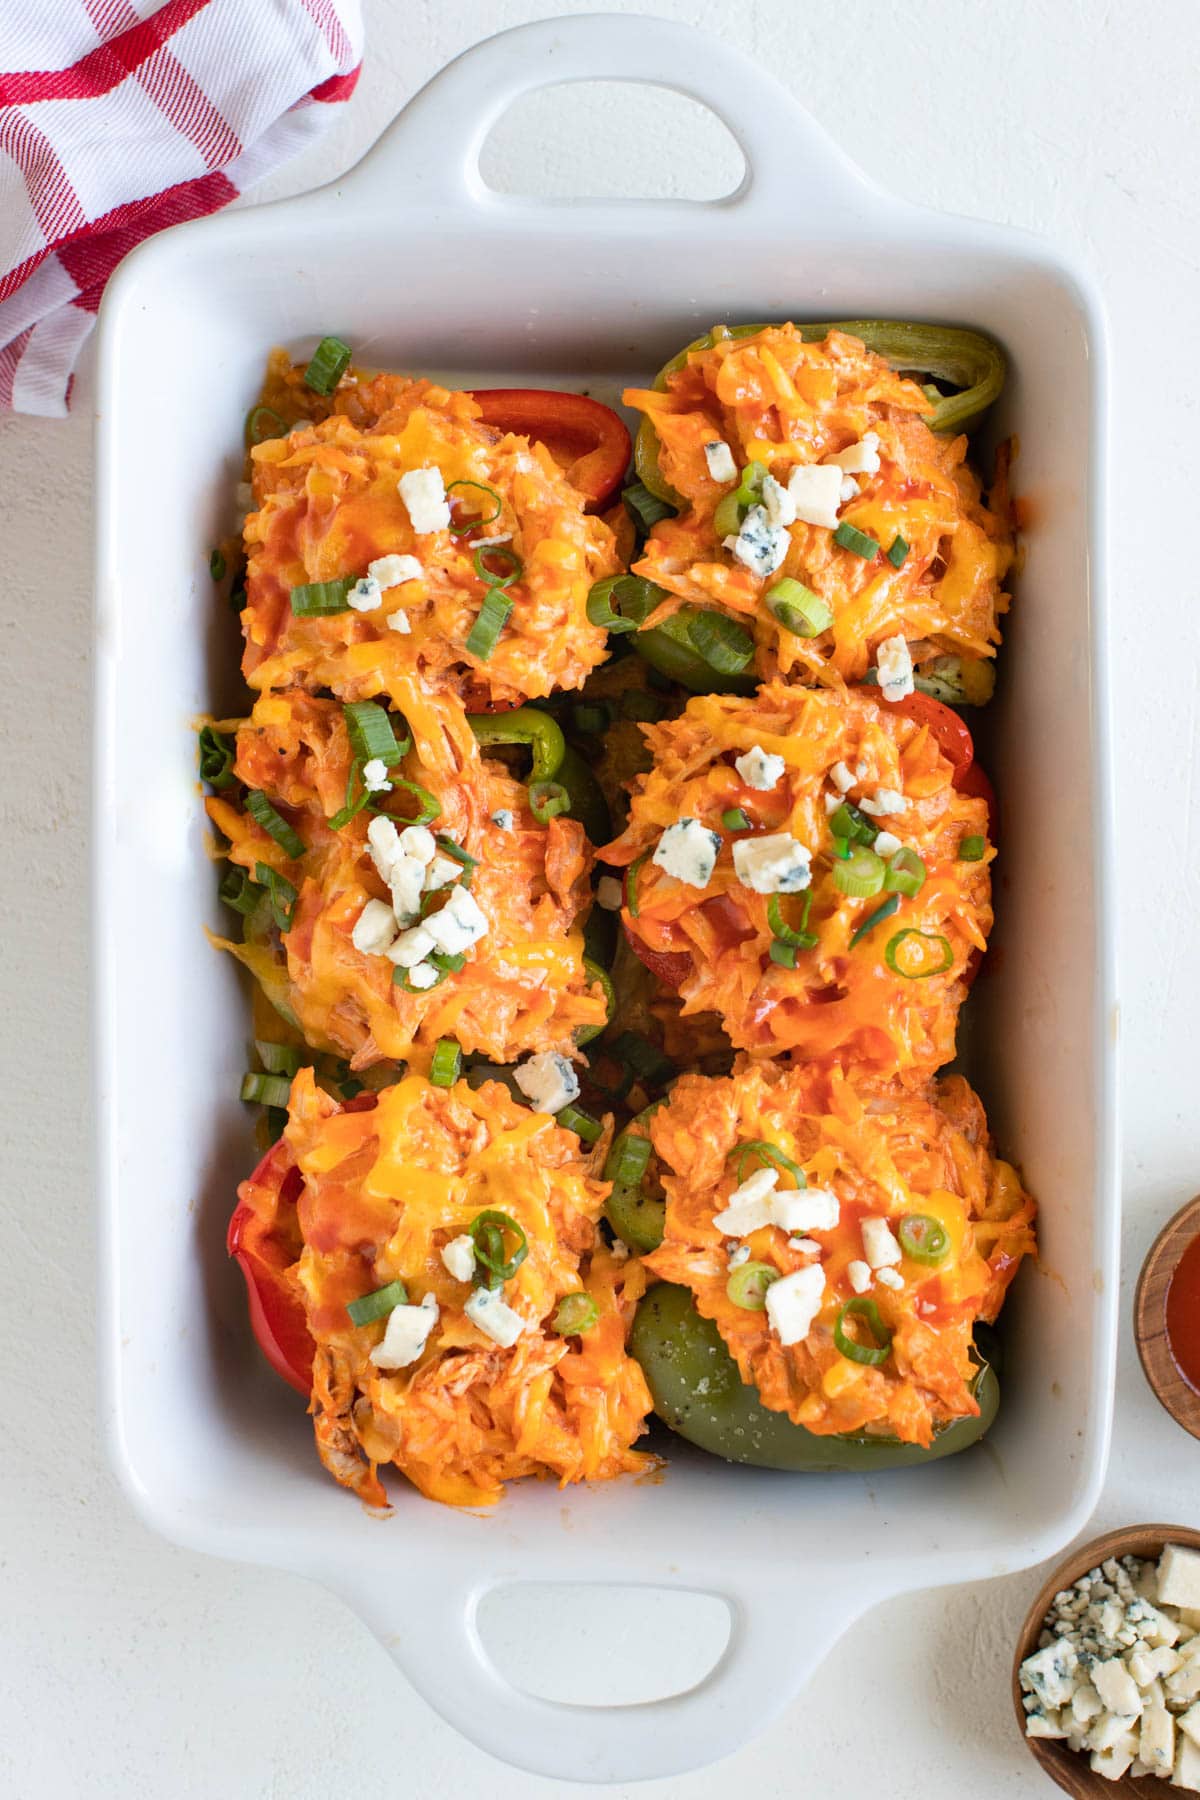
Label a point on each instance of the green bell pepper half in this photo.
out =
(597, 972)
(972, 363)
(698, 1392)
(671, 647)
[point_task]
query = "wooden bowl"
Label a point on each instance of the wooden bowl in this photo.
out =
(1070, 1769)
(1150, 1318)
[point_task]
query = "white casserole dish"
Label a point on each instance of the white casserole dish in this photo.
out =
(421, 266)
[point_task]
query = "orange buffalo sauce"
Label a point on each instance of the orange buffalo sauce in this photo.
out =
(1183, 1315)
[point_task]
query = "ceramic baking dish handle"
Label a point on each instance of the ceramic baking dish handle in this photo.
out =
(778, 1635)
(429, 157)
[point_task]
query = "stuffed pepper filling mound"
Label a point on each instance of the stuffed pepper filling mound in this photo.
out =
(387, 905)
(820, 514)
(402, 547)
(807, 865)
(845, 1237)
(437, 1251)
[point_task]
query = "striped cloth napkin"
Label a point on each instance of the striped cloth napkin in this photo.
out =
(119, 117)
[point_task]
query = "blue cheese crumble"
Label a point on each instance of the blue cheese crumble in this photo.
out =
(759, 546)
(688, 850)
(1116, 1674)
(775, 864)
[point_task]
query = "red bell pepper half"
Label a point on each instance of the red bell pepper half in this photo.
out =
(586, 439)
(265, 1243)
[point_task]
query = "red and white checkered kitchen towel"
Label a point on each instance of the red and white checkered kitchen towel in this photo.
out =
(118, 117)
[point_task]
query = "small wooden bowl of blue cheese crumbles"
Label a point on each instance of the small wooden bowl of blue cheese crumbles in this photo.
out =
(1106, 1678)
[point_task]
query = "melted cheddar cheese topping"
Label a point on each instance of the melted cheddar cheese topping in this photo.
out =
(382, 1191)
(523, 986)
(885, 1152)
(781, 402)
(327, 504)
(842, 1002)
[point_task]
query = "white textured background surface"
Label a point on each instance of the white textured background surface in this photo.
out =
(130, 1669)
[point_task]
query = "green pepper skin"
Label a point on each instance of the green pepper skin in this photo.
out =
(588, 804)
(637, 1219)
(679, 1351)
(537, 731)
(597, 972)
(973, 363)
(958, 680)
(667, 648)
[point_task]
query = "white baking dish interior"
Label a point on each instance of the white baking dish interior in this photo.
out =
(423, 268)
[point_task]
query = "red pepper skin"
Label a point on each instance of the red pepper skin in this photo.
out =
(671, 966)
(260, 1249)
(587, 439)
(945, 725)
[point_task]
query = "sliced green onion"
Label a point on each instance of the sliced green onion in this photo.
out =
(484, 634)
(322, 599)
(861, 542)
(648, 708)
(721, 641)
(329, 363)
(449, 848)
(839, 849)
(630, 591)
(628, 1160)
(217, 754)
(217, 566)
(881, 913)
(923, 1238)
(747, 1286)
(266, 1090)
(631, 883)
(861, 875)
(238, 891)
(727, 519)
(353, 805)
(449, 963)
(646, 507)
(263, 422)
(429, 807)
(369, 1307)
(488, 1231)
(783, 954)
(581, 1123)
(274, 824)
(799, 935)
(871, 1354)
(589, 719)
(905, 873)
(575, 1314)
(283, 894)
(734, 819)
(277, 1059)
(918, 954)
(972, 849)
(547, 799)
(477, 487)
(769, 1155)
(643, 1058)
(897, 550)
(798, 609)
(371, 735)
(447, 1062)
(512, 566)
(847, 822)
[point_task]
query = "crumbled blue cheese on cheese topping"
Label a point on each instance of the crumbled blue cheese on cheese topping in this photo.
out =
(775, 864)
(423, 492)
(759, 768)
(893, 663)
(719, 458)
(816, 493)
(759, 546)
(688, 851)
(793, 1303)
